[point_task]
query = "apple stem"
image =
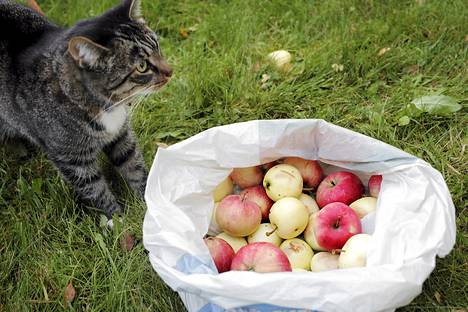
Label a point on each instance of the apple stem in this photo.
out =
(307, 189)
(243, 196)
(337, 223)
(337, 251)
(271, 232)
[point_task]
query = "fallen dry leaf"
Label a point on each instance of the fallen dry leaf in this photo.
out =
(383, 51)
(265, 78)
(33, 4)
(413, 69)
(162, 145)
(193, 28)
(256, 67)
(127, 241)
(183, 33)
(70, 293)
(438, 297)
(338, 67)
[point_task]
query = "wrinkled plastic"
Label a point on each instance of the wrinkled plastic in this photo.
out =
(414, 220)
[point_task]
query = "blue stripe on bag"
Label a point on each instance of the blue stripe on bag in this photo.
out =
(210, 307)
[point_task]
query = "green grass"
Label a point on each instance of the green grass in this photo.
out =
(48, 240)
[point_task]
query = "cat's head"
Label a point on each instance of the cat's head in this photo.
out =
(117, 54)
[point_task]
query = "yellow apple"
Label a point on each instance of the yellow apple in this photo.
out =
(265, 233)
(283, 181)
(364, 205)
(309, 202)
(298, 252)
(289, 216)
(354, 252)
(235, 242)
(223, 189)
(324, 261)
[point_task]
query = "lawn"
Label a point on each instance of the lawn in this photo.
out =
(217, 49)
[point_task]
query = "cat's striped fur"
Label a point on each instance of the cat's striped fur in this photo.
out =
(67, 91)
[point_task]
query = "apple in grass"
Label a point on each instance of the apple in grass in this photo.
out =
(258, 195)
(237, 216)
(344, 187)
(235, 242)
(247, 177)
(265, 233)
(324, 261)
(298, 252)
(374, 185)
(280, 59)
(310, 170)
(282, 181)
(364, 206)
(221, 252)
(354, 252)
(289, 217)
(335, 224)
(261, 257)
(309, 202)
(223, 189)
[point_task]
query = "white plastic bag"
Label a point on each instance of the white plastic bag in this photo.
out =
(414, 222)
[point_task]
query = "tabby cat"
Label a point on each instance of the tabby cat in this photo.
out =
(67, 91)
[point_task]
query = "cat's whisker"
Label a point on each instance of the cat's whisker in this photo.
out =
(142, 99)
(113, 105)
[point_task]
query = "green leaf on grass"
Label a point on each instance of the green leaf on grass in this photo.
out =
(437, 104)
(403, 121)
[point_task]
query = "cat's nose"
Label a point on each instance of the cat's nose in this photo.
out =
(164, 68)
(168, 72)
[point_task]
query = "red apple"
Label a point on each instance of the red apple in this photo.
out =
(237, 216)
(269, 165)
(335, 224)
(374, 185)
(261, 257)
(344, 187)
(310, 170)
(258, 195)
(221, 252)
(247, 177)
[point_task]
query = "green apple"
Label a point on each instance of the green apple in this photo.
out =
(283, 181)
(289, 216)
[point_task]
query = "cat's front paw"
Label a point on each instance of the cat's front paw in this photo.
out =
(114, 210)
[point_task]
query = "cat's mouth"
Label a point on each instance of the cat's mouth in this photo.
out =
(149, 90)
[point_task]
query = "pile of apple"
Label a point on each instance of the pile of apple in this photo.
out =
(273, 224)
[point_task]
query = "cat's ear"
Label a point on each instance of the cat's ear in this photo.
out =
(85, 51)
(134, 10)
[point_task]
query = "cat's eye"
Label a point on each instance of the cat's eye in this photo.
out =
(142, 67)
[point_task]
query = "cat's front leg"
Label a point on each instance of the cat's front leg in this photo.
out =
(84, 174)
(127, 159)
